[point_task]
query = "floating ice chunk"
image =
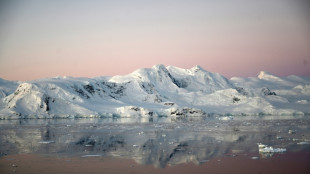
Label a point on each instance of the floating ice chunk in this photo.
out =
(260, 145)
(226, 118)
(303, 143)
(302, 102)
(86, 156)
(292, 131)
(46, 142)
(279, 138)
(269, 149)
(272, 150)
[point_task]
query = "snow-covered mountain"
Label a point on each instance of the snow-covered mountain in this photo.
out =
(7, 87)
(156, 91)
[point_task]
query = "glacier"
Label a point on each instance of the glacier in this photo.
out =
(159, 91)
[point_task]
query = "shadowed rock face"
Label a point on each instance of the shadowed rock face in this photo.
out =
(267, 91)
(159, 143)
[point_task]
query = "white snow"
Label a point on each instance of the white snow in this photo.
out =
(154, 92)
(303, 143)
(269, 149)
(226, 118)
(268, 76)
(7, 87)
(46, 142)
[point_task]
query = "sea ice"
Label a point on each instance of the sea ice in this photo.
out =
(269, 149)
(226, 118)
(303, 143)
(86, 156)
(46, 142)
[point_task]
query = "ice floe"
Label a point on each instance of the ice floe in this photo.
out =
(46, 142)
(86, 156)
(226, 118)
(262, 148)
(303, 143)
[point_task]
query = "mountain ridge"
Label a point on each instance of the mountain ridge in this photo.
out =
(153, 92)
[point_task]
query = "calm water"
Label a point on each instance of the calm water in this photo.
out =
(160, 143)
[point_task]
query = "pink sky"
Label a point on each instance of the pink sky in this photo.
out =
(98, 38)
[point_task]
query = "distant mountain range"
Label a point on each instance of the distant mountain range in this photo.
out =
(153, 92)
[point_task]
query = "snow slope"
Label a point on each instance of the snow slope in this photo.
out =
(156, 91)
(7, 87)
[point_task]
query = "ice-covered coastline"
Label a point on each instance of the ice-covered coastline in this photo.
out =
(156, 92)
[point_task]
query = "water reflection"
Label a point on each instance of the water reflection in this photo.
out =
(159, 142)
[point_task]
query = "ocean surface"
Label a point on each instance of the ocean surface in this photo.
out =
(156, 145)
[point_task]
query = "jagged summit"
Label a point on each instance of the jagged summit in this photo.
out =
(152, 92)
(198, 68)
(159, 67)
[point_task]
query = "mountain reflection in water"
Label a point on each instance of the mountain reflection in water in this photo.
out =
(161, 142)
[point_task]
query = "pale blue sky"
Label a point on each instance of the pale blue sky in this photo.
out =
(93, 38)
